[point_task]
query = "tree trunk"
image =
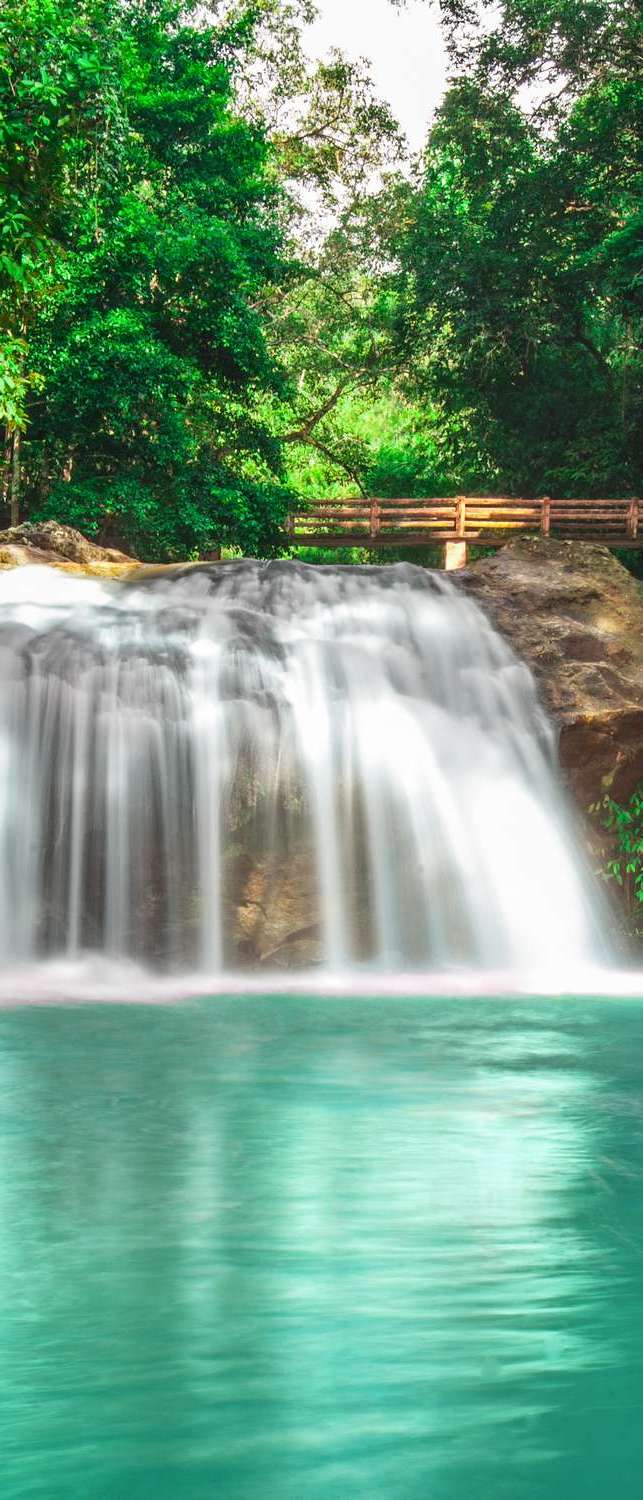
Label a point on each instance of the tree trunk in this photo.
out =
(5, 483)
(14, 514)
(43, 477)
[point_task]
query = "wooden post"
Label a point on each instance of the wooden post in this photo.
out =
(545, 515)
(455, 553)
(455, 556)
(376, 519)
(633, 519)
(461, 516)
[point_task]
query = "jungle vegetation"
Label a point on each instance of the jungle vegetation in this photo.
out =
(225, 281)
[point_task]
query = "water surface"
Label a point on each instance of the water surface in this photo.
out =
(295, 1250)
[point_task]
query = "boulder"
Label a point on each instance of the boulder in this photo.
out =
(49, 544)
(575, 615)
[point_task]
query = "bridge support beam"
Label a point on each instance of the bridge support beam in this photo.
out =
(455, 556)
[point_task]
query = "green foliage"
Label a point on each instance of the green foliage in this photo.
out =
(16, 380)
(221, 283)
(330, 131)
(57, 88)
(521, 309)
(162, 234)
(497, 306)
(625, 824)
(557, 47)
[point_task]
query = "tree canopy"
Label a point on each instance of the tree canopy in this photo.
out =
(154, 228)
(224, 281)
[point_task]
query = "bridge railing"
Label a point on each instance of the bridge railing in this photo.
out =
(356, 521)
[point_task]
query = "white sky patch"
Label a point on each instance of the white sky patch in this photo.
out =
(404, 47)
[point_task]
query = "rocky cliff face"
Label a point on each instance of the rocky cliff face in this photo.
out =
(576, 616)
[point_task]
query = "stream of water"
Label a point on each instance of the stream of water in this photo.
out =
(267, 766)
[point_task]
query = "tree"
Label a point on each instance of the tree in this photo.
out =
(221, 279)
(520, 290)
(557, 50)
(57, 87)
(333, 140)
(149, 342)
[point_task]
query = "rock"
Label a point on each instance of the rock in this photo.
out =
(575, 614)
(49, 544)
(51, 536)
(275, 918)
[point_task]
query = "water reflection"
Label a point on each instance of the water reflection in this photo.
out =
(285, 1250)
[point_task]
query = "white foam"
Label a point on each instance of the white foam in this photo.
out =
(365, 732)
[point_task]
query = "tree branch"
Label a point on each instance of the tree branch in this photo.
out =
(339, 463)
(303, 434)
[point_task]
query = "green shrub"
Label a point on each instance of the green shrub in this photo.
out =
(625, 866)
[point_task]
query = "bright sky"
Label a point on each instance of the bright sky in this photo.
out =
(404, 47)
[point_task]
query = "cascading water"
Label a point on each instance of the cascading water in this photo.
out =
(211, 769)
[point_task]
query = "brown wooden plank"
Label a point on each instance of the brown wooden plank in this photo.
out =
(476, 513)
(418, 500)
(417, 525)
(397, 517)
(593, 513)
(498, 526)
(592, 504)
(589, 515)
(362, 539)
(335, 515)
(418, 510)
(335, 510)
(327, 515)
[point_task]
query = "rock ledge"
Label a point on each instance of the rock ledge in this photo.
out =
(575, 615)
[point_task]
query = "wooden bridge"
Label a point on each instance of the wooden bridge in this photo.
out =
(457, 523)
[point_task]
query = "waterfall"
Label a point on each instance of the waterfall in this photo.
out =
(269, 764)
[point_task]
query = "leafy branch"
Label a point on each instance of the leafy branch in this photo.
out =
(625, 823)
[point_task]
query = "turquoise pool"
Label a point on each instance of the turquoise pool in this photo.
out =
(291, 1249)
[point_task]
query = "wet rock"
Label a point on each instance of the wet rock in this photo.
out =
(575, 615)
(49, 544)
(275, 920)
(51, 536)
